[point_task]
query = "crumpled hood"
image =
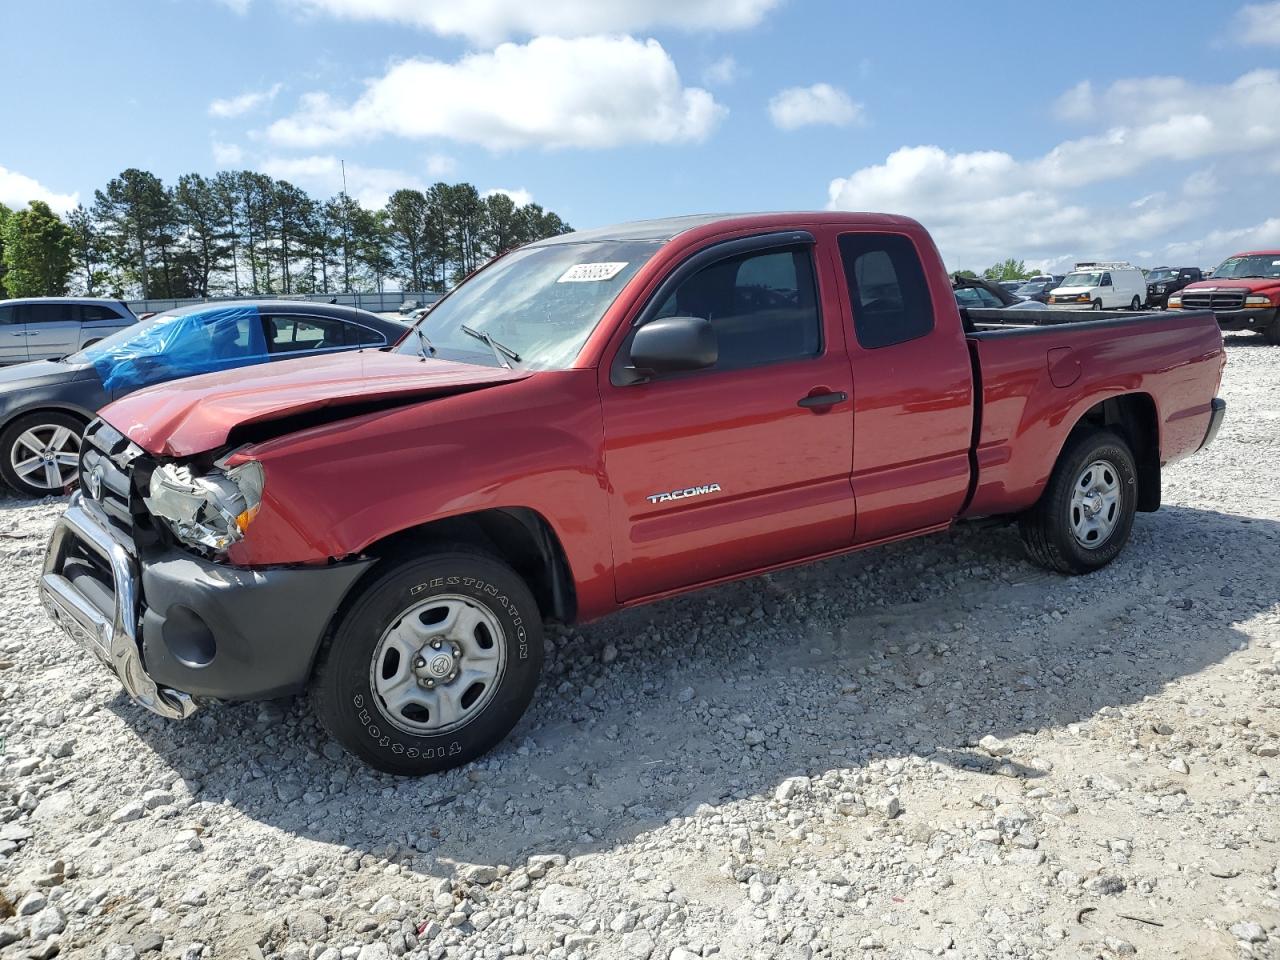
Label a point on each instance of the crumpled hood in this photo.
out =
(186, 417)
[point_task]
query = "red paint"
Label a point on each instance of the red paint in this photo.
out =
(891, 461)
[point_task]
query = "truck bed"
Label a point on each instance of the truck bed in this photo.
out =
(1038, 372)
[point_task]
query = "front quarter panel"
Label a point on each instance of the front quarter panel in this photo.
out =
(333, 491)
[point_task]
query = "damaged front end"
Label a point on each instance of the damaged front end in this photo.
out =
(136, 573)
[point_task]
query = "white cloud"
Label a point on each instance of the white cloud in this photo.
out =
(519, 196)
(819, 104)
(721, 73)
(369, 186)
(440, 165)
(18, 190)
(1077, 103)
(487, 21)
(550, 92)
(245, 102)
(227, 154)
(1258, 24)
(986, 204)
(1219, 244)
(237, 6)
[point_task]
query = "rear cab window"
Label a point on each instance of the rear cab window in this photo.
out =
(888, 291)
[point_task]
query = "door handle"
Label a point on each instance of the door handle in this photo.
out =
(823, 399)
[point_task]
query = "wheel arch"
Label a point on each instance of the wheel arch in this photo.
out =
(1133, 416)
(46, 406)
(519, 536)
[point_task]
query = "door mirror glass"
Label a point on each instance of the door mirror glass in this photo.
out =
(674, 345)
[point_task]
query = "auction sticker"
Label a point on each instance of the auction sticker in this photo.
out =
(589, 272)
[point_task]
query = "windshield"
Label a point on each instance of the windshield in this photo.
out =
(1083, 280)
(1157, 275)
(1237, 268)
(537, 306)
(1035, 286)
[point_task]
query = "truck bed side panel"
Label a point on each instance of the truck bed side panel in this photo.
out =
(1037, 384)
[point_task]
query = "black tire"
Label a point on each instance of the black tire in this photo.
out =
(1272, 333)
(1135, 304)
(1047, 529)
(1096, 305)
(44, 423)
(343, 691)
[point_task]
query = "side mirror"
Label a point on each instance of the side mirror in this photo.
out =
(673, 345)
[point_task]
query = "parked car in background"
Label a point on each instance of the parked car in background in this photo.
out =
(1010, 285)
(44, 405)
(1101, 286)
(1243, 293)
(41, 328)
(978, 293)
(1162, 282)
(591, 422)
(409, 306)
(1038, 288)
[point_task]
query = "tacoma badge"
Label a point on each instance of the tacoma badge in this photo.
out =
(686, 492)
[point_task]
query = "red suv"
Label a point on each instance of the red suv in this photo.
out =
(1243, 293)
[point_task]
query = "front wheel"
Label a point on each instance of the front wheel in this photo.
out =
(1085, 515)
(1097, 305)
(1135, 304)
(1272, 333)
(433, 664)
(40, 453)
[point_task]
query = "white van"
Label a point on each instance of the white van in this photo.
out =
(1101, 285)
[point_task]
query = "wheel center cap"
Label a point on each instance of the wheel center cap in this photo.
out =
(439, 664)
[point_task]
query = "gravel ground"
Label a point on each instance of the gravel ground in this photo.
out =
(928, 750)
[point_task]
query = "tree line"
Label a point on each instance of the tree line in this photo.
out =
(243, 233)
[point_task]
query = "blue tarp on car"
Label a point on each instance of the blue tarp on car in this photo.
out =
(180, 345)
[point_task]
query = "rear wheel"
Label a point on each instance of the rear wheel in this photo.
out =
(432, 665)
(40, 453)
(1085, 515)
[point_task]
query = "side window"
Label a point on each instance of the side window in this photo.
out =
(968, 297)
(1106, 280)
(97, 311)
(887, 289)
(290, 334)
(8, 315)
(46, 313)
(989, 299)
(763, 306)
(361, 336)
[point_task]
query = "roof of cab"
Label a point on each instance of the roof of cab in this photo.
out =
(668, 228)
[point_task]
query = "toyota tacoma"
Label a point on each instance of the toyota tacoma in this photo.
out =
(590, 422)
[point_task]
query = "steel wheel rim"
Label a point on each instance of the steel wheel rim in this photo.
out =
(1095, 509)
(46, 456)
(438, 665)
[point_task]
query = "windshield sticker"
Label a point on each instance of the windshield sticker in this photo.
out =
(589, 272)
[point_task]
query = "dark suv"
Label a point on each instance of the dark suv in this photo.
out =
(1163, 281)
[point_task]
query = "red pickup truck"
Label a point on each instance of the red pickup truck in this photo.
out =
(1244, 294)
(594, 421)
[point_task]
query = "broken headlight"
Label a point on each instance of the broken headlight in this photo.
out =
(211, 510)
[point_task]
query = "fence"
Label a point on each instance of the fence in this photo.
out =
(375, 302)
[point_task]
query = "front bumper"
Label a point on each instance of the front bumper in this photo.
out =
(1254, 318)
(177, 629)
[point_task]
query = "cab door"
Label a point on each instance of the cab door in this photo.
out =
(913, 385)
(13, 336)
(730, 469)
(52, 329)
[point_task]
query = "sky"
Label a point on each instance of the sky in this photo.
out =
(1147, 131)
